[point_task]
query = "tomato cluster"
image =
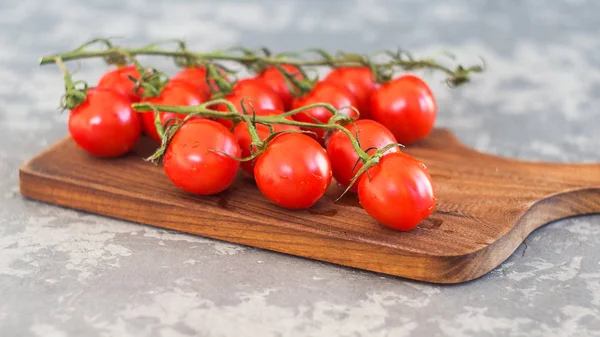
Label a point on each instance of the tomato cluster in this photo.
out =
(292, 169)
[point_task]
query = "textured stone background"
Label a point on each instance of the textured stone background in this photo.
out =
(65, 273)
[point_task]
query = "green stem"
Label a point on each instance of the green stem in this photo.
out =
(66, 75)
(457, 76)
(251, 124)
(202, 110)
(160, 130)
(253, 133)
(73, 96)
(332, 127)
(224, 87)
(327, 106)
(199, 110)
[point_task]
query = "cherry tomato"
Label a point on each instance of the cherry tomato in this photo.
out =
(104, 125)
(255, 94)
(397, 192)
(118, 80)
(371, 135)
(360, 81)
(276, 81)
(242, 135)
(196, 76)
(176, 93)
(324, 92)
(293, 172)
(191, 162)
(406, 106)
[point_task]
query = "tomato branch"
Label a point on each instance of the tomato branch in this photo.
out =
(236, 116)
(73, 96)
(383, 70)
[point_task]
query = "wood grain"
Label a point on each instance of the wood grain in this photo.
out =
(487, 207)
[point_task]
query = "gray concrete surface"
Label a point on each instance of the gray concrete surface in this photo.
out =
(66, 273)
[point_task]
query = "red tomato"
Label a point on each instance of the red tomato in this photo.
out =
(343, 157)
(324, 92)
(255, 94)
(104, 125)
(406, 106)
(176, 93)
(196, 76)
(276, 81)
(293, 172)
(360, 81)
(118, 80)
(397, 192)
(242, 135)
(192, 165)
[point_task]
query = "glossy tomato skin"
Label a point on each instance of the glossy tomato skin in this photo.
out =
(275, 80)
(253, 93)
(177, 93)
(293, 172)
(242, 135)
(118, 80)
(344, 158)
(397, 192)
(324, 92)
(105, 125)
(191, 163)
(406, 106)
(360, 81)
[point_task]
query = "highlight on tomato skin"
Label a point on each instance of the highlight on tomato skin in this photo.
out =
(397, 192)
(294, 172)
(105, 125)
(192, 161)
(406, 106)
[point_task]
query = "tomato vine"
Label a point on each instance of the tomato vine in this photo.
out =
(107, 120)
(257, 60)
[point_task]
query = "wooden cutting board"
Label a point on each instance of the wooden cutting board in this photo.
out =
(487, 206)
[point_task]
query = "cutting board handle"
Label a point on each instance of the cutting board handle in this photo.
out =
(576, 185)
